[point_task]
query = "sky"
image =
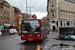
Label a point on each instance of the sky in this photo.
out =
(38, 7)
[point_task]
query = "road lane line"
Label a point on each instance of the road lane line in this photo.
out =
(63, 49)
(48, 44)
(46, 47)
(10, 39)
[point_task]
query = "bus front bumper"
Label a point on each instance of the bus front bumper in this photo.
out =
(31, 38)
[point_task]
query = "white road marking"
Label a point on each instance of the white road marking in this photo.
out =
(63, 49)
(48, 44)
(10, 39)
(46, 47)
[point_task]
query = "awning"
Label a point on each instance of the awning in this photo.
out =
(13, 25)
(6, 25)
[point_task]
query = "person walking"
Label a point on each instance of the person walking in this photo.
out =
(2, 31)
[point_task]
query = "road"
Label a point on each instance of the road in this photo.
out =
(13, 42)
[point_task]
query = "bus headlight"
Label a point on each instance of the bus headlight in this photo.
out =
(23, 35)
(38, 35)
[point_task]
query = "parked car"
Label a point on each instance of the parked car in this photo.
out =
(12, 31)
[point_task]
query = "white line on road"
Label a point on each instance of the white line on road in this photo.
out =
(46, 47)
(48, 44)
(63, 49)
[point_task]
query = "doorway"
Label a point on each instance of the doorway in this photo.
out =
(53, 28)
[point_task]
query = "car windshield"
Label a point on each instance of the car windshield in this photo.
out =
(31, 26)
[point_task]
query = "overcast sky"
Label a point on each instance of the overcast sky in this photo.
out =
(40, 6)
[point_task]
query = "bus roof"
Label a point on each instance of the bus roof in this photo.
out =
(35, 19)
(31, 19)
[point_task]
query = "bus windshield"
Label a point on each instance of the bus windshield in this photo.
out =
(31, 26)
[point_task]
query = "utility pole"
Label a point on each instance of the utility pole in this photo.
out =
(26, 7)
(30, 11)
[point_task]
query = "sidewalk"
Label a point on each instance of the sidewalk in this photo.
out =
(4, 34)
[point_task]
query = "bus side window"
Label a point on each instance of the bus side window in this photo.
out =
(42, 25)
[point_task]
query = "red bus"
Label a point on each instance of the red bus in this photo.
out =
(33, 29)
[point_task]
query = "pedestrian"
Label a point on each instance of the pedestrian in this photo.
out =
(2, 31)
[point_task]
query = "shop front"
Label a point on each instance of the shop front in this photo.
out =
(13, 26)
(6, 28)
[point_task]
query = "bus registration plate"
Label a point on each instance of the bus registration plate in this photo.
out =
(30, 39)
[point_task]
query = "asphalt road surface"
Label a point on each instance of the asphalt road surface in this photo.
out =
(13, 42)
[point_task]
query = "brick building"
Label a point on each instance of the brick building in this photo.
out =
(5, 14)
(19, 17)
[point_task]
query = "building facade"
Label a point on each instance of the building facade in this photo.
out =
(61, 13)
(19, 17)
(5, 14)
(25, 16)
(12, 16)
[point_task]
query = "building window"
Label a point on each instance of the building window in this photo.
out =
(61, 23)
(69, 14)
(4, 7)
(71, 6)
(4, 14)
(53, 14)
(1, 14)
(61, 14)
(66, 5)
(1, 20)
(61, 4)
(52, 4)
(71, 22)
(68, 23)
(74, 15)
(64, 14)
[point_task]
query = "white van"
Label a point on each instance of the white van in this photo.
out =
(12, 31)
